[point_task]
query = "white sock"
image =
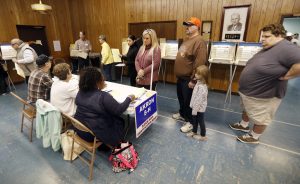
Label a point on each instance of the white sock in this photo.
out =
(255, 135)
(244, 123)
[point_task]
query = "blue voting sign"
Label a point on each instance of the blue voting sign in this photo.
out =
(145, 114)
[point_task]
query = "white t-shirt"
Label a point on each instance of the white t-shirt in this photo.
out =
(63, 95)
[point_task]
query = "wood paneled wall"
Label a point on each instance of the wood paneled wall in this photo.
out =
(262, 12)
(111, 18)
(58, 22)
(98, 17)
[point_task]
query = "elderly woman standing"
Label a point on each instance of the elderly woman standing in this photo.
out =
(107, 57)
(148, 60)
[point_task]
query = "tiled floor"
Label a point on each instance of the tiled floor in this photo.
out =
(167, 155)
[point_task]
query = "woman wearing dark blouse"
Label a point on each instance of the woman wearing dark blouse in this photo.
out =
(98, 110)
(130, 58)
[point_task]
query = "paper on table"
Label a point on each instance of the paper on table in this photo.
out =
(121, 95)
(116, 53)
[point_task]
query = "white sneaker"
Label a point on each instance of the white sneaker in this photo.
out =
(177, 116)
(190, 134)
(199, 137)
(186, 128)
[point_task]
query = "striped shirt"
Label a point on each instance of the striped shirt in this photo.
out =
(39, 86)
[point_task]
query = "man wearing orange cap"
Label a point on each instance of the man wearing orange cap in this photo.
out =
(191, 54)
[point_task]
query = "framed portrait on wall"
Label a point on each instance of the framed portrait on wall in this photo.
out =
(235, 23)
(206, 29)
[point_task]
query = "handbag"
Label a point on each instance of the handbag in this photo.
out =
(66, 144)
(124, 158)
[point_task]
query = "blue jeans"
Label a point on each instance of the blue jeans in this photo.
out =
(107, 72)
(184, 94)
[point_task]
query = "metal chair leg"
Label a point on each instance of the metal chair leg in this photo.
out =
(22, 122)
(92, 162)
(31, 128)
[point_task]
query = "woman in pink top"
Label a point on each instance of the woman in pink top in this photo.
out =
(147, 60)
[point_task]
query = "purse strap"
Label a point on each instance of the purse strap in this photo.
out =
(134, 156)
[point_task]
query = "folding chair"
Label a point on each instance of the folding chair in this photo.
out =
(28, 112)
(89, 147)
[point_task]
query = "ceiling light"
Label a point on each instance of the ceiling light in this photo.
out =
(40, 7)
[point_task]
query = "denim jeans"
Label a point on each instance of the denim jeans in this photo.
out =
(107, 72)
(184, 94)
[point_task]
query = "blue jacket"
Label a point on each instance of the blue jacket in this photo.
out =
(100, 112)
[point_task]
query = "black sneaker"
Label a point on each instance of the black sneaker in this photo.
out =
(238, 126)
(247, 138)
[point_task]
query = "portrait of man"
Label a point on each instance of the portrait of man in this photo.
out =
(235, 25)
(235, 21)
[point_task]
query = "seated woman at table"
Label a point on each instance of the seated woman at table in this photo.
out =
(98, 110)
(148, 57)
(64, 89)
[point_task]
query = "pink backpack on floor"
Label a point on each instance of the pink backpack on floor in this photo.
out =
(124, 158)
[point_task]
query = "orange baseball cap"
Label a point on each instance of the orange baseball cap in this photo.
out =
(192, 21)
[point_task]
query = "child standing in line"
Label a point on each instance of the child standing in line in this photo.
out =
(198, 103)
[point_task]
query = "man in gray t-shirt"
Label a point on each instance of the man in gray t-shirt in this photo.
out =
(263, 82)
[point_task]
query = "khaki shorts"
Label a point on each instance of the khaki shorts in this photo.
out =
(260, 111)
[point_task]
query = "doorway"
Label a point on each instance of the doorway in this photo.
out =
(36, 37)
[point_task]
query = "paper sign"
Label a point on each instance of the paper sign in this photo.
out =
(145, 114)
(116, 53)
(56, 44)
(78, 53)
(125, 48)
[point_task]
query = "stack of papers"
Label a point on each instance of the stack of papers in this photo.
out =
(121, 92)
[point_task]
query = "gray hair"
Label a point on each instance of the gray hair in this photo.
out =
(16, 41)
(236, 14)
(102, 37)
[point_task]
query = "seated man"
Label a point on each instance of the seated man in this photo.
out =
(40, 82)
(64, 89)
